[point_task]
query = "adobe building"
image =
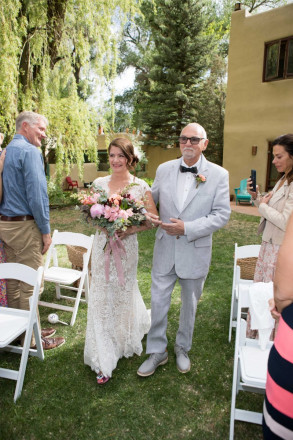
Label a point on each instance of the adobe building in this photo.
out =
(259, 104)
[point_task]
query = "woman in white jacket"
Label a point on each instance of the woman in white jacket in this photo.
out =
(275, 208)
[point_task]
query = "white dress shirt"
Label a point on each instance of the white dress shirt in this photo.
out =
(184, 183)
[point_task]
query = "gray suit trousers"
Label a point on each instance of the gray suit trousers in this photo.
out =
(162, 287)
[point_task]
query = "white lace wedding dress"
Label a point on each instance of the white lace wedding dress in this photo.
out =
(117, 318)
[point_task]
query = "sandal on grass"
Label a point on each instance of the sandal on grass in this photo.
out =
(101, 379)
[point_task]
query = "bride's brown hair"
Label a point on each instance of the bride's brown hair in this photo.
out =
(127, 149)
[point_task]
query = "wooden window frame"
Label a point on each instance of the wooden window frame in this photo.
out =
(283, 42)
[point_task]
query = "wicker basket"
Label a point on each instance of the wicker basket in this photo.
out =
(247, 267)
(75, 256)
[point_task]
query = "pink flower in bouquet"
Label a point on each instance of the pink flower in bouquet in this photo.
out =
(94, 198)
(115, 199)
(97, 210)
(125, 213)
(111, 213)
(87, 201)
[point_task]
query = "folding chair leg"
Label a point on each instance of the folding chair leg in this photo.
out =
(236, 375)
(86, 288)
(231, 318)
(77, 301)
(23, 363)
(37, 333)
(58, 291)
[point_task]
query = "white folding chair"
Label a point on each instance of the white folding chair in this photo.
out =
(64, 277)
(14, 322)
(239, 252)
(250, 366)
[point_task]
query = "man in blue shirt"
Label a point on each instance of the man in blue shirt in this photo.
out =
(24, 210)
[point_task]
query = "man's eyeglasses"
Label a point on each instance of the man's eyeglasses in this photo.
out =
(193, 140)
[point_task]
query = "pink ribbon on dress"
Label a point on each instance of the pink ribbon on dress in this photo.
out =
(115, 246)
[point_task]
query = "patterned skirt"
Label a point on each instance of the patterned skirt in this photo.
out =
(3, 297)
(278, 404)
(266, 263)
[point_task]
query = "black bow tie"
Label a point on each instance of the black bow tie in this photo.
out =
(184, 169)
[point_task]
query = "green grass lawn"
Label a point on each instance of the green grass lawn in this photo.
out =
(60, 397)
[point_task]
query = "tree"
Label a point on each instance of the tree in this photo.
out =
(179, 60)
(52, 53)
(159, 48)
(211, 107)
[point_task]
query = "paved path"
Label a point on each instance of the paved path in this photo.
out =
(245, 209)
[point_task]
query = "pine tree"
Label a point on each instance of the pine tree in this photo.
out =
(167, 100)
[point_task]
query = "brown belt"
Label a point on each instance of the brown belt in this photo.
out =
(18, 218)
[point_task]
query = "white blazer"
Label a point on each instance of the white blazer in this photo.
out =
(276, 213)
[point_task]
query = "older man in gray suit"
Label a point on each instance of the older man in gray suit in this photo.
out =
(193, 196)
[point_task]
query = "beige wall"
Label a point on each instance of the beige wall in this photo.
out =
(90, 174)
(158, 155)
(256, 112)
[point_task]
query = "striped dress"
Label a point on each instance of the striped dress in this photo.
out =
(278, 404)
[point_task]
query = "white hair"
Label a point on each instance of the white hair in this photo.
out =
(31, 118)
(197, 126)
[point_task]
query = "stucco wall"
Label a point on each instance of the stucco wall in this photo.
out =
(90, 173)
(256, 112)
(158, 155)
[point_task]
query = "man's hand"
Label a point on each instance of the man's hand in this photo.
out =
(174, 228)
(47, 240)
(153, 218)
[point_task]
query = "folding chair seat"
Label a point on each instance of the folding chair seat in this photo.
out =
(14, 322)
(250, 366)
(64, 277)
(240, 252)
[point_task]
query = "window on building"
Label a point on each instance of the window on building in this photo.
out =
(278, 59)
(103, 160)
(272, 173)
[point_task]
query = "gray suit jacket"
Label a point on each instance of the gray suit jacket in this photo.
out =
(206, 209)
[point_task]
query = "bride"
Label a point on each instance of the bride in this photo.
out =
(117, 318)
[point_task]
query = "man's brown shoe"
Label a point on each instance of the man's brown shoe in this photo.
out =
(50, 343)
(48, 332)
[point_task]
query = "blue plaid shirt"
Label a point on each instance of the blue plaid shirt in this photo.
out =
(24, 183)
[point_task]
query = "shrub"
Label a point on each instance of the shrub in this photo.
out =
(59, 197)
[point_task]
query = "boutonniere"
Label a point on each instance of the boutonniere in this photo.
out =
(199, 179)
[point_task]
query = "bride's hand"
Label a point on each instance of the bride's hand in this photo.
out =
(153, 219)
(129, 231)
(102, 230)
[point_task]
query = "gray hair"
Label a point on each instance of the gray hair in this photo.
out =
(31, 118)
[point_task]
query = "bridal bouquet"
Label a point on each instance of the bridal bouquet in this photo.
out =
(112, 214)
